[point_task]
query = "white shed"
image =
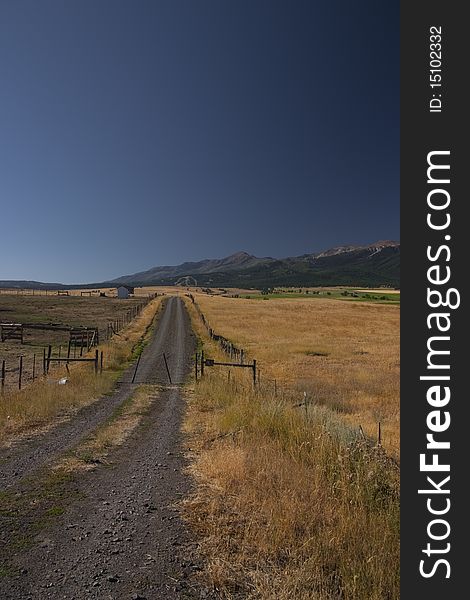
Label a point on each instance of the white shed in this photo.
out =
(124, 291)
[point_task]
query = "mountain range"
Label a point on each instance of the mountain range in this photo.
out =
(372, 265)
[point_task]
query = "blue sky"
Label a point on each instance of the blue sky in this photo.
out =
(135, 134)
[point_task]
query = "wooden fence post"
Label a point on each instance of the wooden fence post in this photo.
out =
(167, 369)
(254, 372)
(136, 367)
(20, 376)
(101, 362)
(96, 361)
(49, 353)
(379, 435)
(3, 374)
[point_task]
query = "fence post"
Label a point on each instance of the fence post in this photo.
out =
(379, 435)
(136, 367)
(3, 374)
(101, 362)
(48, 365)
(167, 369)
(254, 372)
(96, 361)
(20, 376)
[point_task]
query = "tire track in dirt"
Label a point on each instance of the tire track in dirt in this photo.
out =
(122, 536)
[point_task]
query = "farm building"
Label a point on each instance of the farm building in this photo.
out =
(124, 291)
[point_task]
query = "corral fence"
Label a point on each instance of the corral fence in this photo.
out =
(15, 373)
(84, 337)
(11, 331)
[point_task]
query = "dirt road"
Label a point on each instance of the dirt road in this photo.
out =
(113, 532)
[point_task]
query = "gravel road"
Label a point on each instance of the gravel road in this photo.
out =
(120, 535)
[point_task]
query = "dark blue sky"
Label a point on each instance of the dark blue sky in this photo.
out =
(135, 134)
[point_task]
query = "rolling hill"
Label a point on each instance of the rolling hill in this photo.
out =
(372, 265)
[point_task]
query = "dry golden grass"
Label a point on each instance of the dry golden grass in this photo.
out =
(343, 354)
(291, 503)
(44, 402)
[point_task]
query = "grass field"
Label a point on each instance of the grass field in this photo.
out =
(343, 355)
(291, 502)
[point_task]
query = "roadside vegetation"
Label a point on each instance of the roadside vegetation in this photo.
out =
(42, 403)
(292, 502)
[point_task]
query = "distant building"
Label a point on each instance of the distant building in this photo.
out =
(124, 291)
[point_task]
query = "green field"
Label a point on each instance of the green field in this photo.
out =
(347, 294)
